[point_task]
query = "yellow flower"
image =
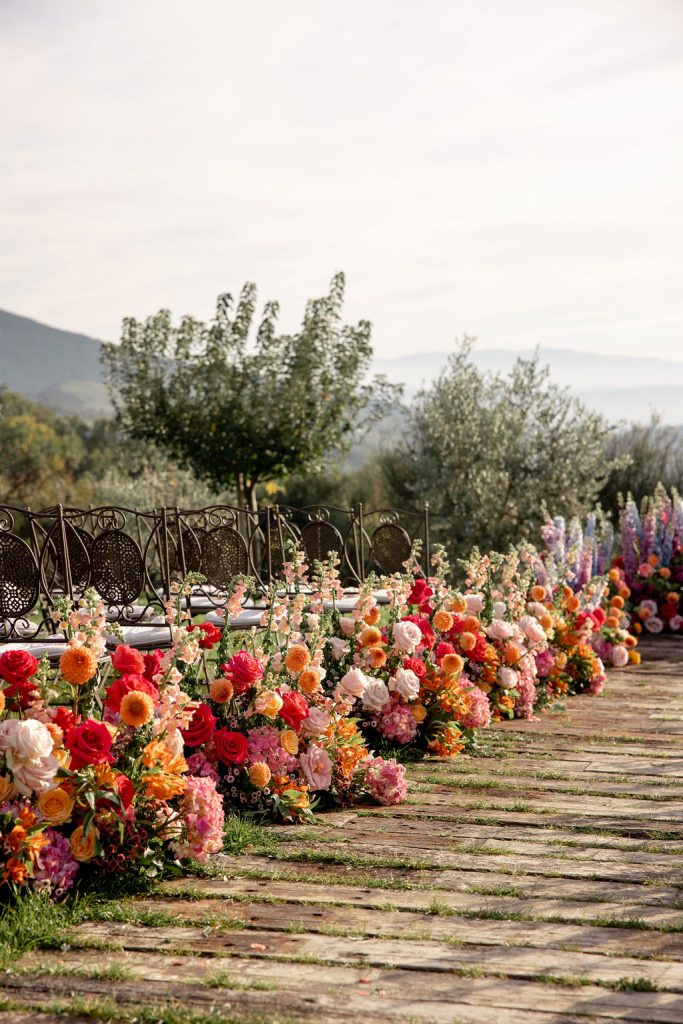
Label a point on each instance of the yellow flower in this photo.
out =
(78, 665)
(259, 774)
(419, 712)
(137, 708)
(268, 703)
(289, 741)
(83, 846)
(56, 805)
(157, 755)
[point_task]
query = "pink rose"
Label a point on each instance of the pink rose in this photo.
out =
(351, 685)
(317, 768)
(407, 636)
(318, 722)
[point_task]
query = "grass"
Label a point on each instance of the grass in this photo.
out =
(242, 833)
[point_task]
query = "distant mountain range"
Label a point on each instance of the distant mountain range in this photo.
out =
(63, 370)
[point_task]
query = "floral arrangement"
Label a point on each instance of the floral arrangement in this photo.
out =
(651, 561)
(93, 781)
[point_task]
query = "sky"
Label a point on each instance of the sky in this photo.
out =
(510, 170)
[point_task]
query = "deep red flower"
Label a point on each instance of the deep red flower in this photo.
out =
(478, 653)
(153, 660)
(294, 709)
(243, 670)
(89, 743)
(231, 747)
(65, 718)
(17, 666)
(212, 634)
(420, 595)
(599, 617)
(201, 727)
(117, 690)
(128, 661)
(442, 649)
(416, 666)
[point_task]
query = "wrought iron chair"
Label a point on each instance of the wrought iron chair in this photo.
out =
(389, 535)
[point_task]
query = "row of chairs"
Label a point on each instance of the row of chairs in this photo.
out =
(131, 557)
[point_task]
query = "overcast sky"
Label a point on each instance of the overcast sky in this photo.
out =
(508, 168)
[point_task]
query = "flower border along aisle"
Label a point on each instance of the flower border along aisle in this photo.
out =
(125, 762)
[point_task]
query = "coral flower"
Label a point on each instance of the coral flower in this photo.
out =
(297, 659)
(371, 617)
(617, 601)
(612, 622)
(376, 656)
(55, 805)
(512, 654)
(78, 665)
(289, 741)
(137, 708)
(221, 691)
(2, 701)
(83, 846)
(468, 641)
(572, 603)
(419, 712)
(370, 637)
(471, 624)
(259, 774)
(458, 604)
(537, 593)
(451, 664)
(442, 621)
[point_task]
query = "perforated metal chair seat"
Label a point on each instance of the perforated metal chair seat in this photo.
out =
(248, 619)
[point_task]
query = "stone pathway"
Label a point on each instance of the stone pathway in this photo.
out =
(538, 882)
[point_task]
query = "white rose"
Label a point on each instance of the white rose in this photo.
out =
(29, 740)
(407, 636)
(475, 603)
(34, 776)
(675, 623)
(533, 630)
(619, 656)
(339, 647)
(318, 722)
(376, 695)
(654, 624)
(507, 677)
(406, 684)
(500, 630)
(499, 609)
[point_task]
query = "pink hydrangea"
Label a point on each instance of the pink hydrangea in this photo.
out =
(203, 818)
(56, 867)
(396, 723)
(479, 714)
(386, 781)
(199, 764)
(526, 690)
(264, 746)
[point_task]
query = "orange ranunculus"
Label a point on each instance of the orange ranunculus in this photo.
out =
(56, 805)
(370, 637)
(634, 657)
(537, 593)
(613, 575)
(625, 592)
(612, 622)
(673, 597)
(471, 624)
(442, 621)
(572, 604)
(259, 774)
(163, 785)
(458, 604)
(630, 641)
(297, 659)
(309, 680)
(137, 708)
(644, 613)
(221, 691)
(653, 559)
(83, 846)
(511, 654)
(78, 665)
(665, 573)
(617, 601)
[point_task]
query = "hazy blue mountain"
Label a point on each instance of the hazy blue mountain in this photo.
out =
(63, 370)
(57, 367)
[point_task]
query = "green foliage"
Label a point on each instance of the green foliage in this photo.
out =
(240, 411)
(488, 452)
(648, 454)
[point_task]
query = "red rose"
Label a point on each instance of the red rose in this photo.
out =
(442, 650)
(153, 660)
(17, 666)
(294, 709)
(89, 743)
(416, 666)
(65, 718)
(212, 634)
(231, 747)
(126, 790)
(201, 727)
(243, 670)
(117, 690)
(478, 653)
(21, 694)
(128, 661)
(420, 595)
(599, 617)
(428, 635)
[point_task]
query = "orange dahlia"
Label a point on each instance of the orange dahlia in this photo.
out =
(221, 691)
(376, 657)
(259, 774)
(137, 708)
(370, 637)
(78, 665)
(297, 659)
(442, 621)
(309, 680)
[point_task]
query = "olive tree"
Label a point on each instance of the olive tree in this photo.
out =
(489, 452)
(241, 406)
